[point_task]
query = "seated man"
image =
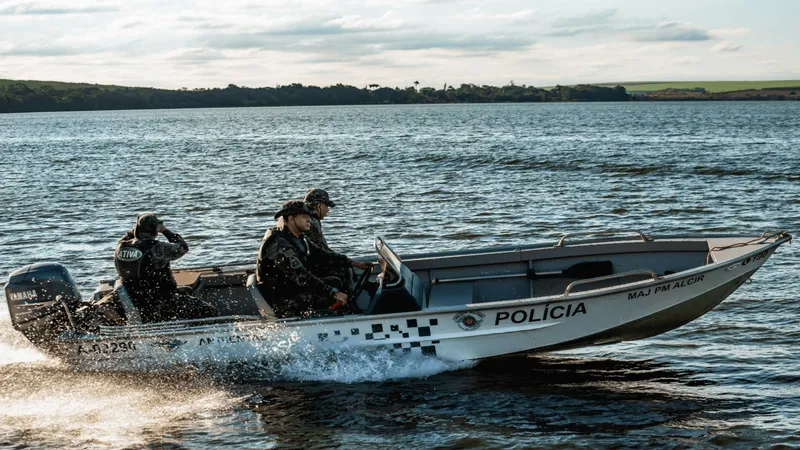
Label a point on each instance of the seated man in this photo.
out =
(319, 202)
(284, 258)
(143, 265)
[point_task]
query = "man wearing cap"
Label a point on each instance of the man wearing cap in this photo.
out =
(320, 203)
(284, 258)
(143, 265)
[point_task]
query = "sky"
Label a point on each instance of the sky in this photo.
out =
(213, 43)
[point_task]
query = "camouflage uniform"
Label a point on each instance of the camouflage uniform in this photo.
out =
(143, 264)
(284, 276)
(315, 235)
(342, 273)
(315, 196)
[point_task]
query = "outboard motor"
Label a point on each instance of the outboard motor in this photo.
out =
(36, 295)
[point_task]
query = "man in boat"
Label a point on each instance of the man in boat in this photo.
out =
(143, 265)
(319, 202)
(283, 269)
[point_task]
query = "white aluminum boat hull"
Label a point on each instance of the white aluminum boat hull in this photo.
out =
(470, 332)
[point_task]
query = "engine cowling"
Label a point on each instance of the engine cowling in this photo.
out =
(36, 295)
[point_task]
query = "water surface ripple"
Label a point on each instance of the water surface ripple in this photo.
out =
(427, 178)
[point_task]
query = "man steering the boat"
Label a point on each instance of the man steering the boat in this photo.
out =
(143, 265)
(283, 268)
(319, 202)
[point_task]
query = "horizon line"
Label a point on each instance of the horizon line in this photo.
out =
(609, 83)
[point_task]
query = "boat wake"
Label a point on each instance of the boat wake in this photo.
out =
(69, 409)
(340, 366)
(14, 348)
(270, 362)
(44, 400)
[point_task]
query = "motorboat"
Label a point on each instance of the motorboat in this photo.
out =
(586, 289)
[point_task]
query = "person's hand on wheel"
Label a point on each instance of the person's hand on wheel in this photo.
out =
(361, 265)
(341, 297)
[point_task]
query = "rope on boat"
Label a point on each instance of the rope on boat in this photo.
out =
(757, 241)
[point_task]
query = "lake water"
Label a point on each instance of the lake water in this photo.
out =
(427, 178)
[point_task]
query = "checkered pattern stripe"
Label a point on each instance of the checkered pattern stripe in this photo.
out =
(408, 329)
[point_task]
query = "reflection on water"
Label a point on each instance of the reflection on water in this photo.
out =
(537, 401)
(427, 178)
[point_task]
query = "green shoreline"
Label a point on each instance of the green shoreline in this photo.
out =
(41, 96)
(708, 86)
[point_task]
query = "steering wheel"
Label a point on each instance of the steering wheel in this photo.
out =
(362, 281)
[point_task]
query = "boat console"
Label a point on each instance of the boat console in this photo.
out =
(400, 290)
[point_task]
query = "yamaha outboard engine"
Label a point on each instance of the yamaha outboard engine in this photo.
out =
(36, 295)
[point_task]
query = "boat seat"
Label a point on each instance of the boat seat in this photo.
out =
(407, 293)
(264, 309)
(190, 282)
(132, 316)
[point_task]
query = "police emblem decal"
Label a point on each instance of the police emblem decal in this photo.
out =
(469, 321)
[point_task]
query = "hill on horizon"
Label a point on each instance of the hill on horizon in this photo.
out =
(636, 87)
(61, 85)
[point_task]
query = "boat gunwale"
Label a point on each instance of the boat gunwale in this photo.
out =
(581, 242)
(410, 257)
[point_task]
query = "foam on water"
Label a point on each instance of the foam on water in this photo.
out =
(11, 354)
(341, 366)
(42, 400)
(283, 357)
(14, 348)
(72, 409)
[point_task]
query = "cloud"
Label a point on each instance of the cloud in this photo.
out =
(590, 23)
(570, 32)
(196, 56)
(37, 8)
(127, 23)
(41, 50)
(586, 20)
(517, 17)
(357, 23)
(673, 31)
(429, 2)
(481, 42)
(722, 33)
(208, 21)
(768, 62)
(522, 16)
(201, 42)
(687, 60)
(656, 48)
(354, 36)
(726, 46)
(282, 34)
(606, 22)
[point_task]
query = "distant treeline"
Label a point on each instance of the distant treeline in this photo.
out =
(19, 97)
